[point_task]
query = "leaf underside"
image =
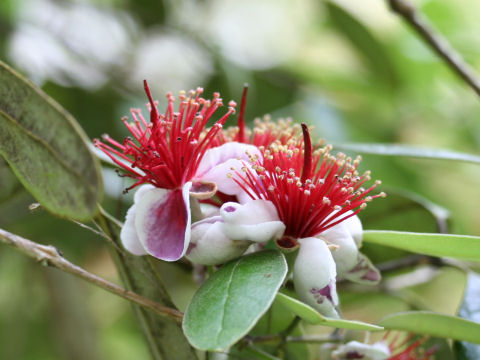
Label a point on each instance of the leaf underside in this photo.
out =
(456, 246)
(47, 149)
(434, 324)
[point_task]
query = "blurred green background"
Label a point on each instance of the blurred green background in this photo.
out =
(352, 69)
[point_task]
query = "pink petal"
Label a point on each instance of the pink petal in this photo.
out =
(220, 154)
(163, 222)
(218, 162)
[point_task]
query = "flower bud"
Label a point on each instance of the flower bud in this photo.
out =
(314, 276)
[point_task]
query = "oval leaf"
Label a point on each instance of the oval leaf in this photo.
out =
(429, 323)
(408, 151)
(456, 246)
(470, 310)
(47, 149)
(309, 314)
(232, 300)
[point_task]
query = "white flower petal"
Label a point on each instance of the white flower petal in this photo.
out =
(258, 233)
(227, 151)
(128, 234)
(314, 276)
(346, 256)
(219, 176)
(142, 190)
(377, 351)
(209, 210)
(251, 213)
(355, 228)
(219, 161)
(255, 221)
(210, 246)
(353, 224)
(243, 197)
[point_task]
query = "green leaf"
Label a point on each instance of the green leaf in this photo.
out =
(457, 246)
(231, 301)
(309, 314)
(434, 324)
(47, 149)
(470, 310)
(8, 181)
(408, 151)
(366, 44)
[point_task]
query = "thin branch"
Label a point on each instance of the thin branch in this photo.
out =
(109, 217)
(437, 42)
(285, 333)
(410, 261)
(49, 255)
(89, 228)
(312, 339)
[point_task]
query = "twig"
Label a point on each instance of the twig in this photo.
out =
(313, 339)
(404, 262)
(285, 333)
(110, 217)
(89, 228)
(49, 255)
(437, 42)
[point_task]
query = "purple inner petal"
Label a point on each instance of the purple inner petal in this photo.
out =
(166, 233)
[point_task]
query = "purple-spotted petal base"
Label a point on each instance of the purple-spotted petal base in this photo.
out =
(314, 276)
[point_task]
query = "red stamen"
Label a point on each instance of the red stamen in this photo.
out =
(328, 188)
(307, 158)
(241, 115)
(153, 111)
(169, 149)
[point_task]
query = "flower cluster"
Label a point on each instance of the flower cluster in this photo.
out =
(243, 188)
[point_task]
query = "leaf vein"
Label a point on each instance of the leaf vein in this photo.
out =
(229, 283)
